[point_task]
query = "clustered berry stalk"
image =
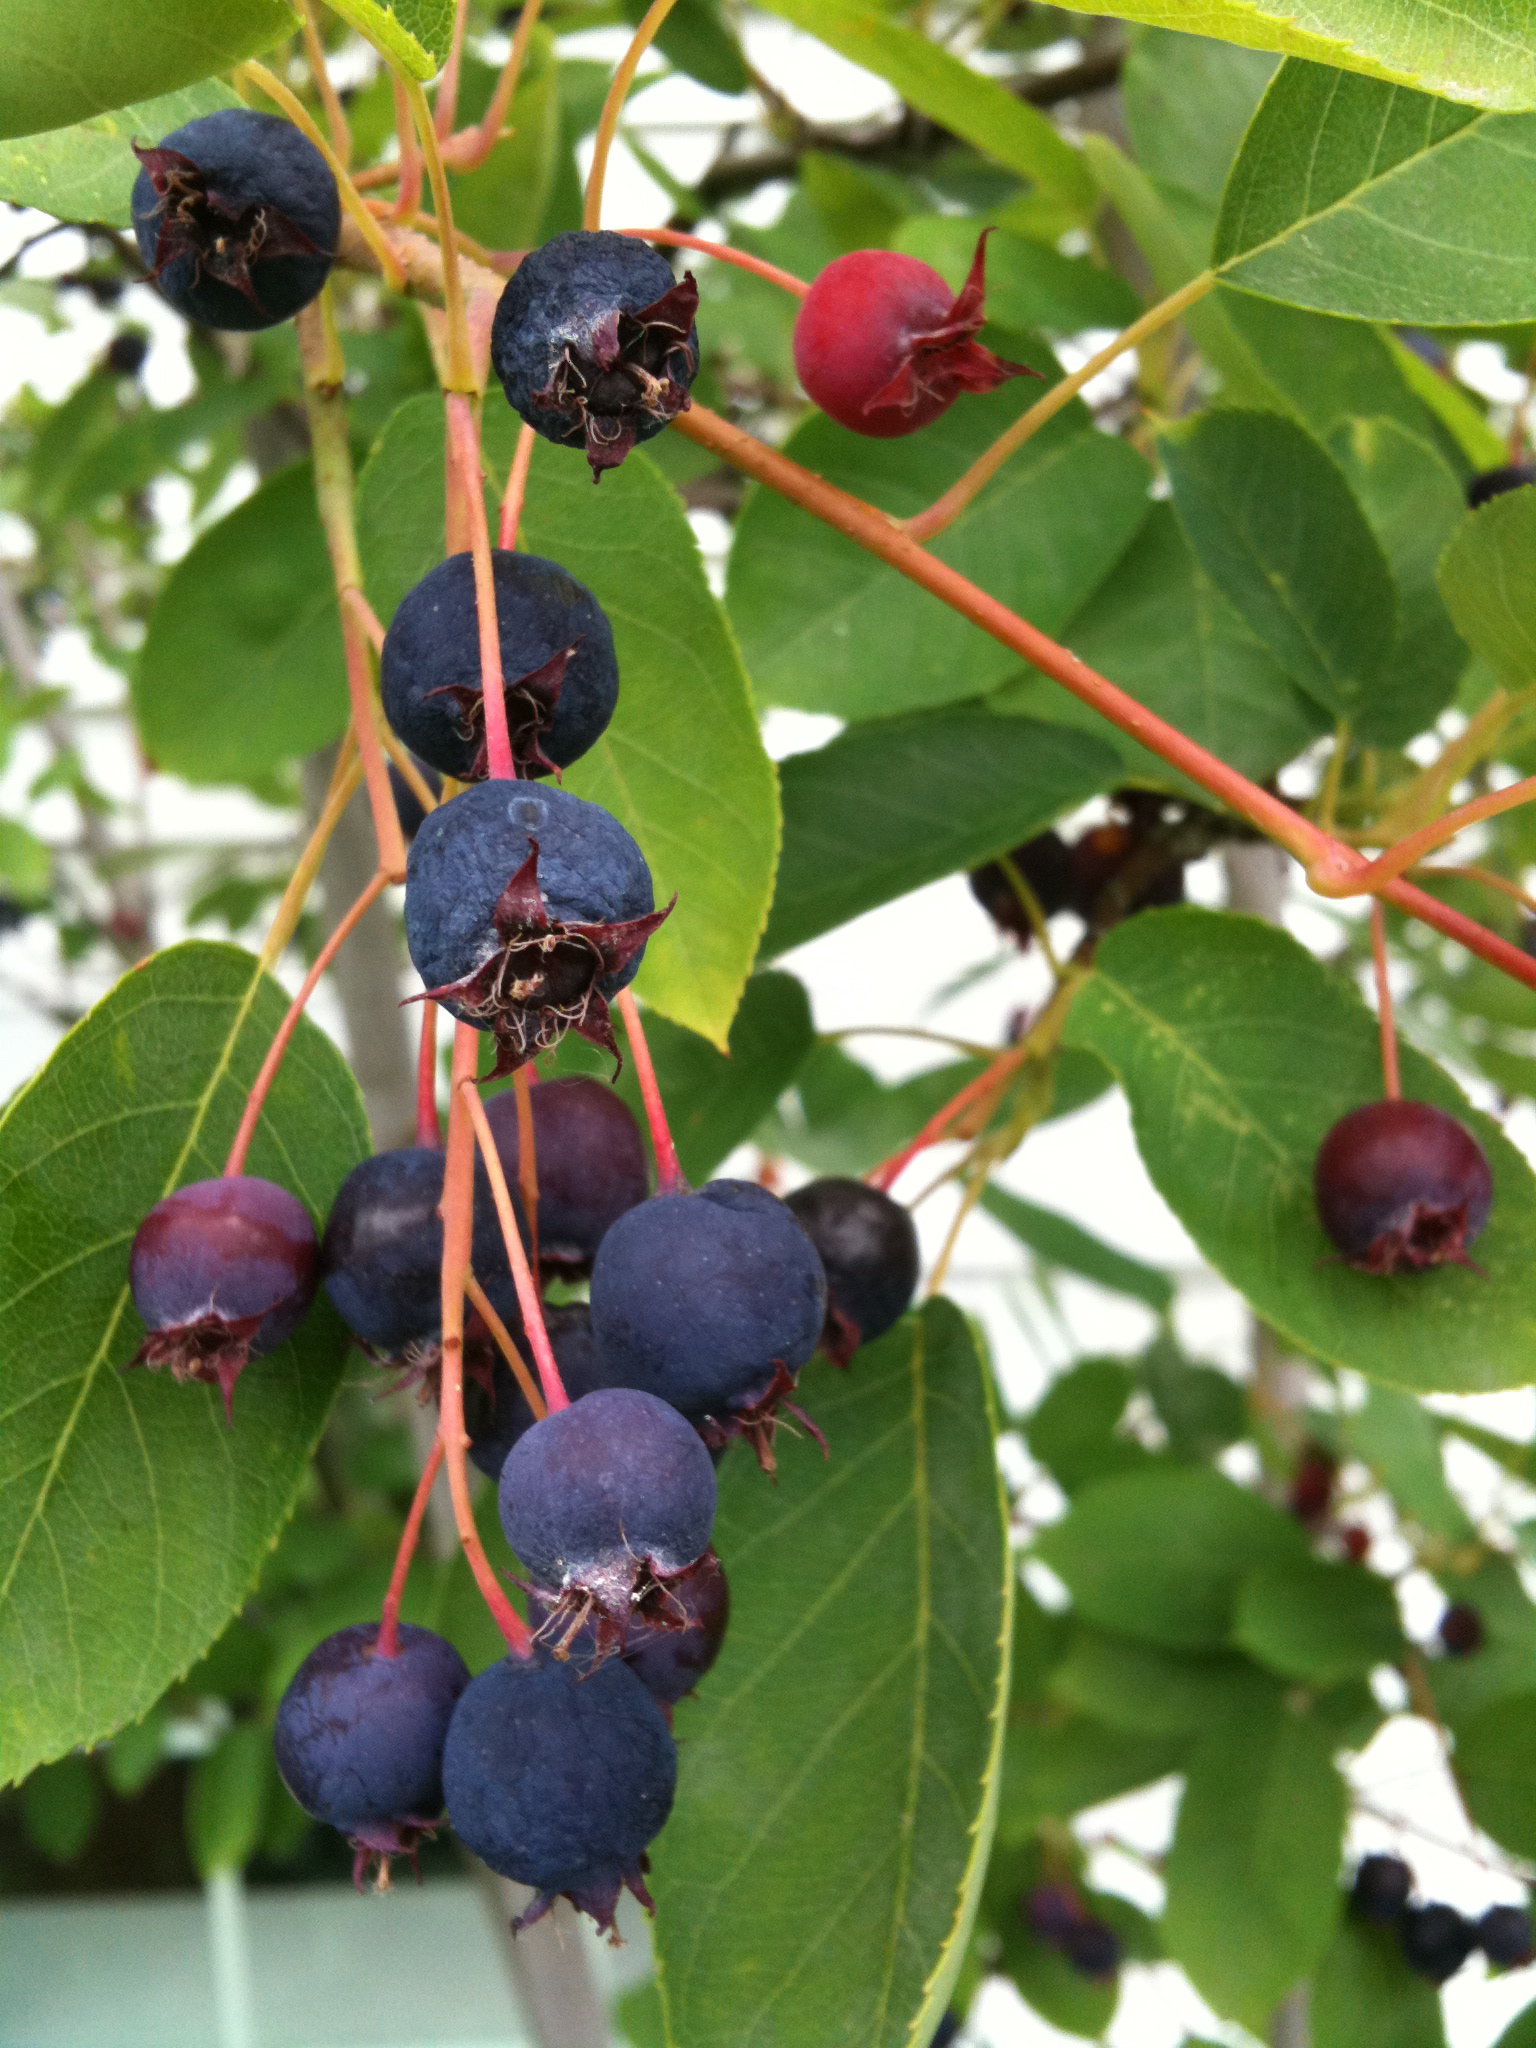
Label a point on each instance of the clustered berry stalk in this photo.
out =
(389, 1614)
(669, 1174)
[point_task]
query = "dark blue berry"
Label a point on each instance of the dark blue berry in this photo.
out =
(946, 2032)
(525, 911)
(1401, 1186)
(671, 1654)
(868, 1250)
(409, 808)
(1093, 1949)
(712, 1300)
(594, 343)
(359, 1737)
(590, 1160)
(1046, 865)
(237, 217)
(1492, 483)
(559, 1781)
(1461, 1630)
(560, 678)
(222, 1271)
(604, 1499)
(498, 1414)
(1381, 1888)
(1436, 1941)
(1504, 1936)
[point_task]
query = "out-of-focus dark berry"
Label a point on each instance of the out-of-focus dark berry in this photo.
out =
(868, 1250)
(1461, 1630)
(590, 1160)
(1382, 1887)
(1356, 1542)
(126, 352)
(1504, 1936)
(946, 2032)
(1401, 1186)
(1493, 483)
(1436, 1941)
(1058, 1915)
(1045, 863)
(1311, 1489)
(1093, 1949)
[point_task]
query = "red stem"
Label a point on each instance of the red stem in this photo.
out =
(464, 441)
(885, 1176)
(1391, 1081)
(528, 1301)
(234, 1166)
(458, 1232)
(669, 1174)
(671, 239)
(527, 1163)
(516, 491)
(388, 1642)
(429, 1129)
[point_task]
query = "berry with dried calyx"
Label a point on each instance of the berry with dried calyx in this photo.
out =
(605, 1502)
(1504, 1936)
(1436, 1941)
(590, 1160)
(1402, 1186)
(1461, 1630)
(359, 1737)
(525, 911)
(237, 216)
(222, 1271)
(560, 1780)
(560, 680)
(714, 1301)
(670, 1656)
(1493, 483)
(595, 344)
(1045, 863)
(883, 345)
(496, 1411)
(1381, 1888)
(868, 1249)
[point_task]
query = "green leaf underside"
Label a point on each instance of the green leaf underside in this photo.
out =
(682, 765)
(413, 33)
(1489, 590)
(242, 667)
(1061, 1242)
(889, 806)
(132, 1521)
(66, 63)
(1482, 51)
(1366, 199)
(86, 173)
(819, 1873)
(1239, 1051)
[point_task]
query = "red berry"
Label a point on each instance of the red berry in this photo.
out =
(884, 346)
(1401, 1186)
(1311, 1490)
(1356, 1542)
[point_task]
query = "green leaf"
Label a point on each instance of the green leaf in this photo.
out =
(1276, 527)
(1506, 1663)
(1239, 1051)
(86, 173)
(1365, 1996)
(502, 202)
(1158, 1555)
(126, 1505)
(826, 627)
(242, 666)
(1495, 1763)
(682, 765)
(1030, 288)
(829, 1840)
(1400, 1440)
(1253, 1893)
(1520, 2033)
(1054, 1768)
(1356, 197)
(1318, 1622)
(1073, 1431)
(413, 35)
(64, 64)
(26, 865)
(227, 1799)
(1149, 1691)
(1202, 1409)
(1061, 1242)
(60, 1805)
(889, 806)
(976, 108)
(695, 38)
(1486, 581)
(1187, 102)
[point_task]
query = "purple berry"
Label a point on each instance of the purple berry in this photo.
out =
(590, 1160)
(237, 216)
(1493, 483)
(671, 1654)
(868, 1249)
(1504, 1936)
(497, 1414)
(560, 678)
(222, 1271)
(1461, 1630)
(594, 343)
(359, 1737)
(1381, 1888)
(525, 911)
(712, 1300)
(604, 1502)
(1436, 1941)
(1046, 865)
(560, 1781)
(1401, 1186)
(1093, 1949)
(409, 808)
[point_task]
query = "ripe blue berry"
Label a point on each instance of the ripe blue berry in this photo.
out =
(1381, 1888)
(359, 1737)
(884, 346)
(1504, 1936)
(1401, 1186)
(590, 1159)
(712, 1300)
(595, 345)
(560, 1781)
(559, 674)
(603, 1500)
(409, 808)
(222, 1271)
(525, 910)
(671, 1654)
(1493, 483)
(496, 1413)
(1436, 1941)
(868, 1250)
(237, 216)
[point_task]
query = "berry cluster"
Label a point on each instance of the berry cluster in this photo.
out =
(1436, 1939)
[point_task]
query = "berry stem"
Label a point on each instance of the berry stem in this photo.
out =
(276, 1051)
(388, 1640)
(613, 106)
(669, 238)
(429, 1129)
(1407, 852)
(470, 148)
(446, 106)
(1391, 1081)
(890, 1171)
(1470, 872)
(505, 1344)
(346, 779)
(408, 191)
(464, 441)
(517, 489)
(419, 786)
(366, 616)
(461, 377)
(945, 510)
(330, 99)
(267, 83)
(1032, 908)
(669, 1173)
(522, 1278)
(527, 1162)
(458, 1231)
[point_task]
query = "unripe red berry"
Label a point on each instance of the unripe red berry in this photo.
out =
(1401, 1186)
(884, 346)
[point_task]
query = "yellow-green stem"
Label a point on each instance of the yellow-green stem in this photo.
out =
(613, 106)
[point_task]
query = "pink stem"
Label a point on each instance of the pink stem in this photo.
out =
(527, 1163)
(885, 1176)
(522, 1277)
(464, 441)
(429, 1129)
(1391, 1081)
(671, 239)
(516, 491)
(388, 1643)
(669, 1173)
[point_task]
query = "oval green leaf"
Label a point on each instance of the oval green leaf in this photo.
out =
(1318, 1622)
(1486, 580)
(86, 173)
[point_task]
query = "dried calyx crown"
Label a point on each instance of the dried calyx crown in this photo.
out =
(622, 371)
(214, 1349)
(223, 238)
(942, 361)
(531, 702)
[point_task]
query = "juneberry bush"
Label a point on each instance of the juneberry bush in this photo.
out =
(556, 1160)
